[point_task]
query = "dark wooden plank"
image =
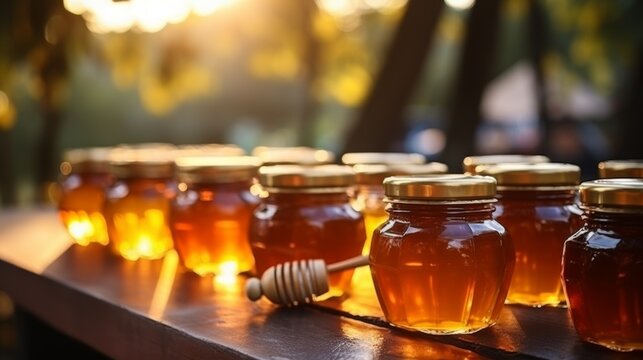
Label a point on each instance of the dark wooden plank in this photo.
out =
(153, 309)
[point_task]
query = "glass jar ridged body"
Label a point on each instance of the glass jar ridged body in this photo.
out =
(441, 269)
(210, 227)
(539, 222)
(369, 200)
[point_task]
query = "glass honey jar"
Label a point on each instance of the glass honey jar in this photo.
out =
(293, 155)
(369, 192)
(603, 265)
(620, 169)
(210, 216)
(441, 264)
(137, 205)
(86, 176)
(362, 158)
(536, 205)
(470, 162)
(307, 215)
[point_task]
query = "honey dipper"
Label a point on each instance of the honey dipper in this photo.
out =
(297, 282)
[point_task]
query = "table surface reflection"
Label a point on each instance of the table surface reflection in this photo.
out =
(156, 309)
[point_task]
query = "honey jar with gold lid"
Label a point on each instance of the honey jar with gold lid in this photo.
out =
(137, 204)
(85, 177)
(470, 163)
(307, 215)
(441, 264)
(536, 206)
(210, 216)
(603, 265)
(620, 169)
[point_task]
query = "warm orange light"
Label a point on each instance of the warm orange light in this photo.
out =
(84, 227)
(146, 236)
(164, 285)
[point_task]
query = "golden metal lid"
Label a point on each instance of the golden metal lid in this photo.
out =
(374, 174)
(382, 158)
(295, 155)
(609, 193)
(620, 169)
(440, 187)
(144, 160)
(93, 159)
(530, 175)
(300, 177)
(470, 162)
(216, 169)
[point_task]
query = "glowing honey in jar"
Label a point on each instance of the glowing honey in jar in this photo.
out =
(307, 215)
(211, 214)
(137, 205)
(470, 162)
(536, 206)
(620, 169)
(603, 265)
(85, 178)
(441, 264)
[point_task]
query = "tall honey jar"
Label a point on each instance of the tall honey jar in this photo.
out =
(137, 204)
(210, 216)
(536, 205)
(470, 162)
(441, 264)
(293, 155)
(603, 265)
(307, 215)
(85, 177)
(369, 191)
(620, 169)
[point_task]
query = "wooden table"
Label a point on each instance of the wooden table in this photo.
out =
(155, 309)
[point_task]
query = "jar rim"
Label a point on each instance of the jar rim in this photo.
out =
(374, 174)
(528, 175)
(632, 168)
(298, 177)
(440, 187)
(293, 155)
(382, 158)
(470, 163)
(621, 194)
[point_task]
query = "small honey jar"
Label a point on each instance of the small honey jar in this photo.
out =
(382, 158)
(307, 215)
(369, 191)
(210, 216)
(603, 265)
(137, 205)
(470, 162)
(86, 176)
(441, 264)
(294, 155)
(620, 169)
(536, 206)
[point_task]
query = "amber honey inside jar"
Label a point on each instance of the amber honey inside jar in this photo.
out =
(620, 169)
(86, 176)
(307, 215)
(441, 264)
(137, 205)
(211, 214)
(470, 163)
(536, 206)
(603, 265)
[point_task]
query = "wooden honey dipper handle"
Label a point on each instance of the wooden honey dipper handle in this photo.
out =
(297, 282)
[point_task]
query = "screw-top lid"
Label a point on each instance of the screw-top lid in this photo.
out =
(608, 194)
(216, 169)
(372, 174)
(296, 155)
(532, 175)
(296, 178)
(143, 160)
(470, 162)
(94, 159)
(382, 158)
(621, 169)
(455, 187)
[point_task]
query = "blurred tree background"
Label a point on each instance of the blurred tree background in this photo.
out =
(444, 78)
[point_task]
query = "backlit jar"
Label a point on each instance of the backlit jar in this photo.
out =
(137, 205)
(470, 162)
(441, 264)
(307, 215)
(86, 176)
(536, 206)
(211, 214)
(603, 265)
(620, 169)
(369, 192)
